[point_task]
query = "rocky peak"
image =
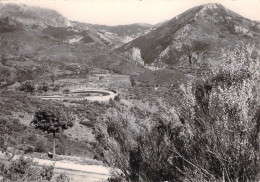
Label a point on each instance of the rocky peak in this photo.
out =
(31, 15)
(212, 6)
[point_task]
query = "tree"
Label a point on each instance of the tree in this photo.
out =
(27, 87)
(51, 121)
(132, 80)
(211, 134)
(3, 132)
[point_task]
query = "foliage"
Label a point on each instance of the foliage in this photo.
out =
(132, 81)
(116, 178)
(50, 121)
(3, 132)
(47, 172)
(220, 120)
(23, 169)
(117, 98)
(44, 87)
(20, 170)
(27, 87)
(62, 178)
(211, 135)
(41, 146)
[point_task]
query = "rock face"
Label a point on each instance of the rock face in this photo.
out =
(136, 56)
(200, 33)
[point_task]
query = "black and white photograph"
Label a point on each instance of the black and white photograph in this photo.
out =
(129, 90)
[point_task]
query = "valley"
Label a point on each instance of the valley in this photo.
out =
(175, 101)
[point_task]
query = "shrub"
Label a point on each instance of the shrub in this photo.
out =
(116, 178)
(4, 130)
(23, 169)
(41, 147)
(47, 173)
(66, 91)
(61, 150)
(62, 178)
(27, 87)
(43, 88)
(212, 134)
(132, 81)
(117, 98)
(56, 88)
(20, 169)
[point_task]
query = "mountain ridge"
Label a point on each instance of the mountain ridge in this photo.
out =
(195, 31)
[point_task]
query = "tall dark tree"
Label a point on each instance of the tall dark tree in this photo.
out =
(51, 121)
(3, 132)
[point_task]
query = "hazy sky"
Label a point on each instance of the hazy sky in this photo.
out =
(114, 12)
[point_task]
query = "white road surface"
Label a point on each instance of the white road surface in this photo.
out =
(76, 172)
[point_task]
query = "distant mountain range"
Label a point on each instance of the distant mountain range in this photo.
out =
(50, 21)
(195, 36)
(42, 39)
(33, 38)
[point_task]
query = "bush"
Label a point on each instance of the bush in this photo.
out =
(117, 98)
(23, 169)
(27, 87)
(61, 150)
(56, 88)
(43, 88)
(41, 147)
(116, 178)
(212, 134)
(66, 91)
(62, 178)
(47, 173)
(20, 169)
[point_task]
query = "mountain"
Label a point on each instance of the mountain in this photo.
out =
(54, 24)
(40, 42)
(42, 39)
(30, 15)
(195, 36)
(125, 33)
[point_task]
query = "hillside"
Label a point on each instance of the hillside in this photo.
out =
(45, 40)
(195, 36)
(141, 99)
(30, 15)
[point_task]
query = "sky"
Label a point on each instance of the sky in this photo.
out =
(120, 12)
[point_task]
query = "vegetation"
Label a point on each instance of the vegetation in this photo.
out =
(27, 87)
(51, 121)
(184, 122)
(24, 169)
(211, 135)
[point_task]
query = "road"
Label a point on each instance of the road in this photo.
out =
(103, 95)
(76, 172)
(81, 176)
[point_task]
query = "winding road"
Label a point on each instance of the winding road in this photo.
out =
(99, 95)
